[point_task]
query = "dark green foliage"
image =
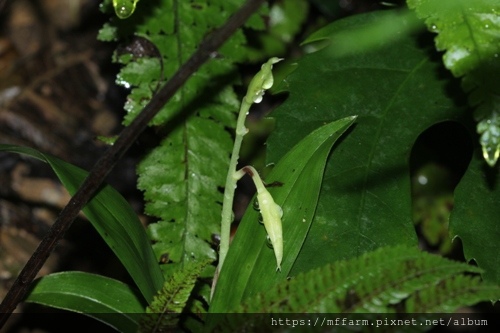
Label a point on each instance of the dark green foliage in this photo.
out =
(374, 282)
(96, 296)
(394, 88)
(114, 219)
(349, 242)
(469, 32)
(176, 28)
(182, 177)
(286, 18)
(164, 310)
(398, 88)
(250, 264)
(448, 295)
(391, 279)
(475, 217)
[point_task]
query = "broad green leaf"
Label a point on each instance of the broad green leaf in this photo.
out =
(250, 266)
(114, 219)
(389, 26)
(475, 216)
(397, 90)
(107, 300)
(469, 32)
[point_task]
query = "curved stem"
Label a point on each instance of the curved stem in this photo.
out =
(262, 81)
(250, 170)
(231, 179)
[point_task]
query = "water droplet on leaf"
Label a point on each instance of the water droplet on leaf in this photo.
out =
(491, 155)
(256, 204)
(124, 8)
(269, 243)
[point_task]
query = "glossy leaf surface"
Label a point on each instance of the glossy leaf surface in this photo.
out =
(397, 90)
(475, 217)
(469, 33)
(114, 219)
(99, 297)
(182, 175)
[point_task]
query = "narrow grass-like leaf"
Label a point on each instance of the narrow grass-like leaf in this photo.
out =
(114, 219)
(250, 266)
(99, 297)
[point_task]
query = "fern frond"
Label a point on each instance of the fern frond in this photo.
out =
(182, 177)
(164, 310)
(469, 32)
(373, 282)
(444, 296)
(392, 279)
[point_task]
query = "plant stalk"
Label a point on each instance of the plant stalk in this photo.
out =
(262, 81)
(231, 179)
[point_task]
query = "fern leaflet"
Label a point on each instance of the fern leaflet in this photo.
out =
(182, 177)
(164, 310)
